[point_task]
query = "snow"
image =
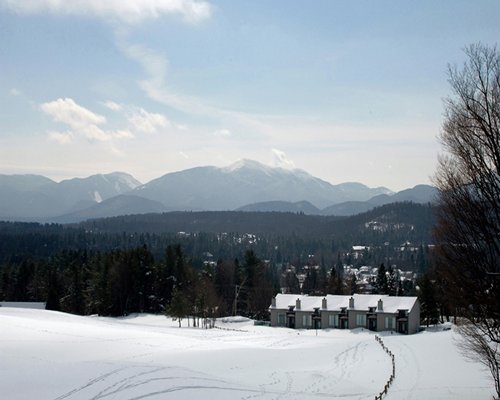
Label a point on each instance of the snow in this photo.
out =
(51, 355)
(97, 197)
(336, 302)
(249, 164)
(125, 179)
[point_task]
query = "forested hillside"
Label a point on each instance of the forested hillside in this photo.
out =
(397, 221)
(120, 265)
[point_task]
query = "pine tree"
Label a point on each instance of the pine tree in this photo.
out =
(291, 283)
(335, 284)
(351, 284)
(393, 282)
(381, 283)
(428, 302)
(179, 306)
(53, 291)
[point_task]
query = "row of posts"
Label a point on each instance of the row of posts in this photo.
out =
(393, 375)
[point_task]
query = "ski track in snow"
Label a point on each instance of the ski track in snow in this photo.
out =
(411, 360)
(148, 357)
(90, 383)
(121, 380)
(122, 385)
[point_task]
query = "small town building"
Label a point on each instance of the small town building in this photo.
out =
(371, 311)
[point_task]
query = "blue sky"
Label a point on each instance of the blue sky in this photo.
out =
(348, 91)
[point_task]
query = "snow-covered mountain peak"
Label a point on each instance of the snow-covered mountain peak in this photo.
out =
(125, 179)
(245, 164)
(248, 164)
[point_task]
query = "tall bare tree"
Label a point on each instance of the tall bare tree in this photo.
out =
(468, 228)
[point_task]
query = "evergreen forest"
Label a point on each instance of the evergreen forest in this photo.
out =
(202, 264)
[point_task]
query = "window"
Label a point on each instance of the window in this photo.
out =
(390, 323)
(281, 320)
(333, 320)
(361, 320)
(306, 321)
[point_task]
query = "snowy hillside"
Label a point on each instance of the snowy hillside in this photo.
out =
(50, 355)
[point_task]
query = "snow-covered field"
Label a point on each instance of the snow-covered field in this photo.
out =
(56, 356)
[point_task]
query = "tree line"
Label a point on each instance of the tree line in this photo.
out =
(124, 281)
(301, 236)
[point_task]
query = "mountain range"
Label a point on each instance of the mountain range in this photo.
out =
(245, 186)
(35, 197)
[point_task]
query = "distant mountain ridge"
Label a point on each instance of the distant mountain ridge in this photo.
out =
(113, 207)
(35, 197)
(282, 206)
(246, 182)
(245, 185)
(420, 194)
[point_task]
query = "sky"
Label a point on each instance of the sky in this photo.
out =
(345, 90)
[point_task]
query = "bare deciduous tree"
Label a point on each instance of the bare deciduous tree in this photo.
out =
(468, 228)
(476, 346)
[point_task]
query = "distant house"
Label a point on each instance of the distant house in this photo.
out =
(371, 311)
(359, 251)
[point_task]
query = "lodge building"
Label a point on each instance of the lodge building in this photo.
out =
(371, 311)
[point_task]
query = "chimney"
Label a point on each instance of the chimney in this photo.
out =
(273, 302)
(351, 302)
(297, 304)
(380, 305)
(324, 304)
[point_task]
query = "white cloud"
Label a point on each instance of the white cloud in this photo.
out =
(280, 159)
(112, 105)
(128, 11)
(116, 151)
(81, 120)
(223, 133)
(67, 111)
(84, 123)
(15, 92)
(123, 134)
(147, 122)
(60, 137)
(155, 86)
(155, 65)
(140, 119)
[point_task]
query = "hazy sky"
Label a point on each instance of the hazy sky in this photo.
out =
(346, 90)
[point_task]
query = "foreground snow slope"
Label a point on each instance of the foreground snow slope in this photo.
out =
(50, 355)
